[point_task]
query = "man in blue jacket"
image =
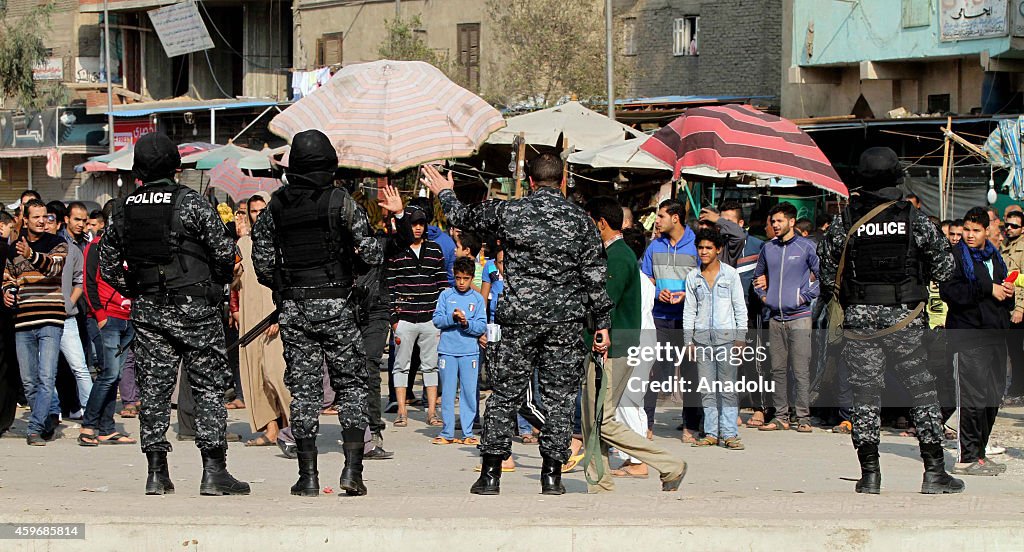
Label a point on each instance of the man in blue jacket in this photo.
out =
(786, 279)
(667, 261)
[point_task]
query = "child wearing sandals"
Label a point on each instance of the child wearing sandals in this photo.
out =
(462, 319)
(714, 320)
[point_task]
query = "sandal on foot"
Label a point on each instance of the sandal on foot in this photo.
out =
(116, 438)
(844, 427)
(401, 421)
(435, 421)
(910, 432)
(329, 411)
(804, 427)
(774, 425)
(708, 441)
(529, 439)
(625, 473)
(755, 420)
(444, 441)
(688, 438)
(88, 440)
(504, 469)
(733, 443)
(261, 441)
(471, 441)
(130, 411)
(573, 461)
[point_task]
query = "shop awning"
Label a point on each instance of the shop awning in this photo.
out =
(144, 109)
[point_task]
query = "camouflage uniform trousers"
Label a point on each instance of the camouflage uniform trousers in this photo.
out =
(905, 352)
(557, 352)
(166, 337)
(313, 330)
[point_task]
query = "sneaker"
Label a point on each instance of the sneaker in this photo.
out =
(391, 408)
(288, 449)
(378, 453)
(998, 466)
(994, 450)
(77, 415)
(978, 467)
(35, 440)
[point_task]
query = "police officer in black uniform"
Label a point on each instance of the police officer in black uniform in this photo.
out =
(887, 261)
(168, 249)
(304, 248)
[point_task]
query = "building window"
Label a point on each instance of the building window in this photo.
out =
(938, 103)
(329, 49)
(916, 13)
(685, 31)
(629, 36)
(469, 54)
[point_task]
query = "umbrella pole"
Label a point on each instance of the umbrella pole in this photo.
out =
(520, 163)
(565, 164)
(943, 177)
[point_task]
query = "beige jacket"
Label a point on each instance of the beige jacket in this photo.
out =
(1013, 256)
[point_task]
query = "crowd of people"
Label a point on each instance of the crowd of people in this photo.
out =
(431, 307)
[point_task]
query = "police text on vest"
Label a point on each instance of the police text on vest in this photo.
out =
(892, 228)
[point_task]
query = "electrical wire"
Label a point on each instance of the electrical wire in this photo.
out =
(213, 75)
(228, 44)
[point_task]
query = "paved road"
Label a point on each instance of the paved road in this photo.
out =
(785, 490)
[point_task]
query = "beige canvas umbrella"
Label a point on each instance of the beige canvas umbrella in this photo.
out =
(582, 128)
(386, 116)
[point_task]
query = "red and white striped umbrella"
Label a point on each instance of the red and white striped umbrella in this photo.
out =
(386, 116)
(229, 178)
(738, 139)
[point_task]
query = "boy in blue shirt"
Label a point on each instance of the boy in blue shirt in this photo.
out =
(461, 317)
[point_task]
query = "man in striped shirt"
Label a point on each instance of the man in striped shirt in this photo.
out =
(415, 276)
(32, 281)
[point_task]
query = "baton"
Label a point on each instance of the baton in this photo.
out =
(256, 330)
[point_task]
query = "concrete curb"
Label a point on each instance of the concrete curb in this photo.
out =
(474, 534)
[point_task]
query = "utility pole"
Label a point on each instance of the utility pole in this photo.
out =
(610, 64)
(398, 9)
(110, 89)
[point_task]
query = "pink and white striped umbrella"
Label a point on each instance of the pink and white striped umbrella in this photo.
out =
(229, 178)
(386, 116)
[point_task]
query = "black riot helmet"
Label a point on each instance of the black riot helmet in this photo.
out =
(156, 157)
(312, 160)
(879, 168)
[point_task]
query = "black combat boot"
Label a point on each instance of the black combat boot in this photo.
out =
(352, 473)
(216, 479)
(309, 482)
(159, 480)
(551, 477)
(936, 480)
(870, 472)
(490, 476)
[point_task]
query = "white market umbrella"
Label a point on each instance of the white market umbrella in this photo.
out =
(583, 128)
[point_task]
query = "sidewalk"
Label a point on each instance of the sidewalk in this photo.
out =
(785, 492)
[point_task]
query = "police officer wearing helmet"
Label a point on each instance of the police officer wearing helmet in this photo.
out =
(168, 250)
(304, 248)
(885, 252)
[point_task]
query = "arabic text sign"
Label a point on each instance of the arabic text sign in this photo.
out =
(51, 68)
(181, 29)
(971, 19)
(1017, 15)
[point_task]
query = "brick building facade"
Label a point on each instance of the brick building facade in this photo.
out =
(701, 47)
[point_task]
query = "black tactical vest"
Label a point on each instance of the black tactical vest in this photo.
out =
(884, 266)
(162, 257)
(314, 249)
